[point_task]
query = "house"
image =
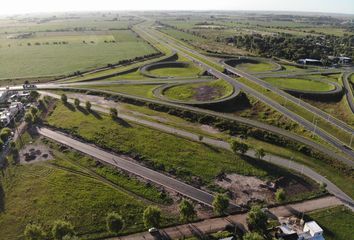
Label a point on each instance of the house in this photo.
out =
(310, 231)
(8, 114)
(309, 61)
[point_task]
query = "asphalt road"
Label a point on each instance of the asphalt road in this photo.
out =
(348, 90)
(307, 124)
(280, 161)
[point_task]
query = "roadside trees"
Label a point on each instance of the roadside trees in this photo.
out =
(114, 222)
(34, 232)
(220, 204)
(5, 133)
(88, 106)
(61, 229)
(260, 153)
(239, 147)
(64, 98)
(29, 118)
(77, 102)
(280, 195)
(187, 211)
(257, 220)
(114, 113)
(152, 216)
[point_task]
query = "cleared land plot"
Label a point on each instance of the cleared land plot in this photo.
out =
(337, 223)
(300, 84)
(200, 91)
(52, 54)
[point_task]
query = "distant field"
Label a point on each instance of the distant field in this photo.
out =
(62, 53)
(337, 223)
(200, 91)
(299, 84)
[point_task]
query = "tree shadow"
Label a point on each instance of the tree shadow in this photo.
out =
(212, 148)
(70, 106)
(122, 122)
(2, 199)
(95, 114)
(83, 110)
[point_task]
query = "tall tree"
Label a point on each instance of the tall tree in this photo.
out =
(187, 211)
(114, 222)
(239, 147)
(220, 204)
(257, 219)
(152, 216)
(61, 229)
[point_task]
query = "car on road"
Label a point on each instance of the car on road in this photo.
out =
(155, 233)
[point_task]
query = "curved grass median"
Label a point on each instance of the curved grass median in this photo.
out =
(190, 71)
(300, 84)
(200, 91)
(256, 67)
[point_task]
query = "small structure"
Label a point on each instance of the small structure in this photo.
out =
(309, 61)
(8, 114)
(291, 230)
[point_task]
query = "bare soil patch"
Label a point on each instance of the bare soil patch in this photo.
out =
(245, 190)
(206, 93)
(35, 153)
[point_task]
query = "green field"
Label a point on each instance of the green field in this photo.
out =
(189, 160)
(186, 92)
(142, 90)
(47, 54)
(256, 67)
(190, 71)
(337, 223)
(300, 84)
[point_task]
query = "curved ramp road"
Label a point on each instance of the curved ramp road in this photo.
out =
(134, 168)
(307, 124)
(348, 90)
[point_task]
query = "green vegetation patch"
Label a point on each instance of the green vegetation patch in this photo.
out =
(337, 223)
(200, 91)
(190, 71)
(143, 90)
(186, 159)
(256, 67)
(300, 84)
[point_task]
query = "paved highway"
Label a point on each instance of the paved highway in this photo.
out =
(307, 124)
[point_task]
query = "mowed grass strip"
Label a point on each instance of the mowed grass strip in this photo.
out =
(190, 71)
(175, 155)
(218, 89)
(142, 90)
(300, 84)
(337, 223)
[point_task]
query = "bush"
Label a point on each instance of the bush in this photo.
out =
(5, 134)
(88, 106)
(77, 102)
(252, 236)
(34, 232)
(152, 217)
(187, 211)
(220, 204)
(61, 229)
(257, 219)
(280, 195)
(113, 112)
(29, 118)
(64, 98)
(239, 147)
(114, 222)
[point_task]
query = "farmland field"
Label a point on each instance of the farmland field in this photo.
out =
(299, 84)
(61, 53)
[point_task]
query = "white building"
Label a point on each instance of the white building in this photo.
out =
(311, 231)
(8, 114)
(293, 231)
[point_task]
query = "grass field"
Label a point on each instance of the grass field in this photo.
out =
(47, 55)
(337, 223)
(200, 91)
(75, 188)
(299, 84)
(190, 71)
(256, 67)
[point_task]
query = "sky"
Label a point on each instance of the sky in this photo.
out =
(9, 7)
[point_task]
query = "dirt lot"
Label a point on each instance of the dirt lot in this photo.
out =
(35, 153)
(206, 93)
(246, 189)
